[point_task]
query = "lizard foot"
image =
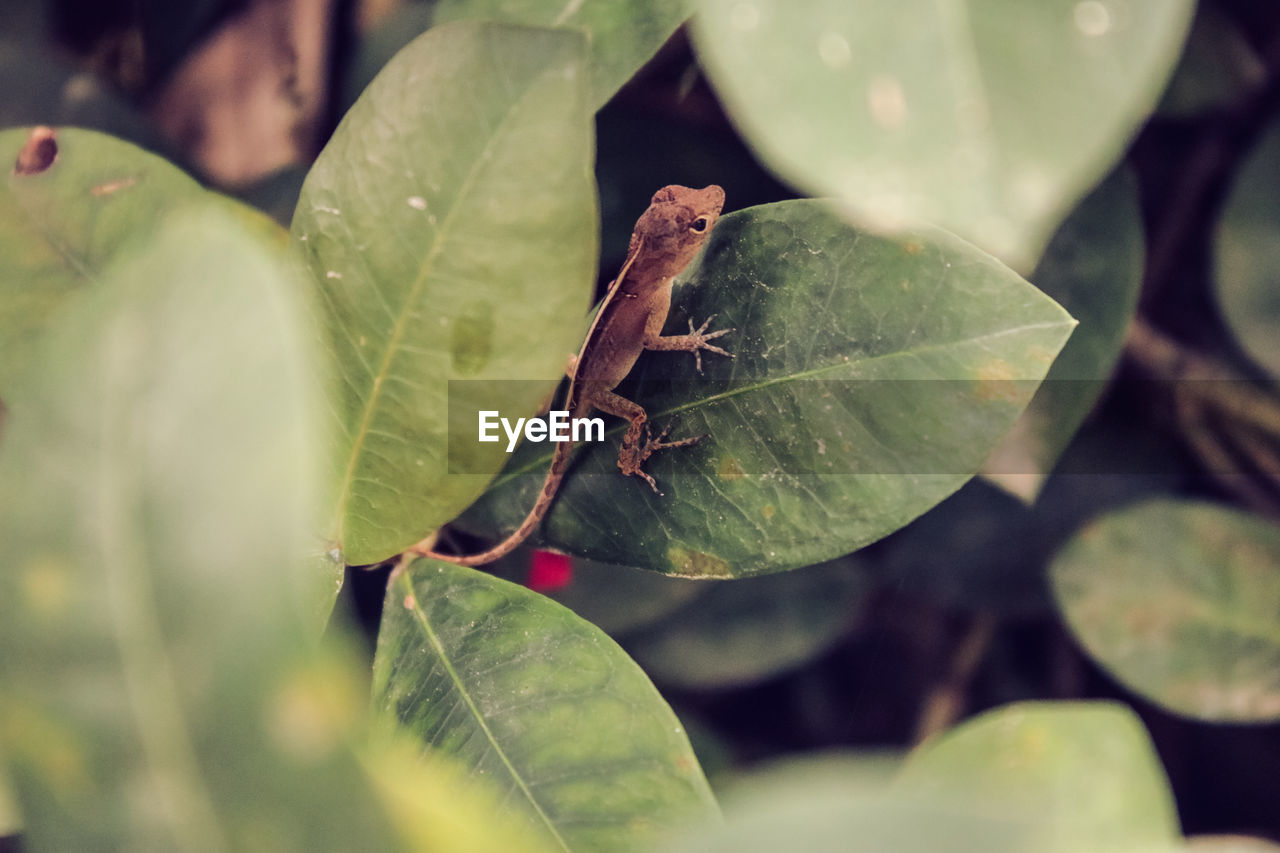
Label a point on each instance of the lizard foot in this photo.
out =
(630, 459)
(699, 338)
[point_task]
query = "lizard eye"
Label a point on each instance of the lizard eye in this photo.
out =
(699, 225)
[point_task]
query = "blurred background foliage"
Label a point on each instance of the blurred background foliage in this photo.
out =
(986, 599)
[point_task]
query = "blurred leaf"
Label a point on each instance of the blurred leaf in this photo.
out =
(622, 34)
(843, 803)
(752, 629)
(1180, 601)
(524, 693)
(451, 230)
(1248, 252)
(872, 377)
(1085, 775)
(1092, 268)
(60, 228)
(438, 806)
(1217, 69)
(988, 118)
(159, 483)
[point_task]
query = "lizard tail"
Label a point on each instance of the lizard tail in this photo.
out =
(559, 463)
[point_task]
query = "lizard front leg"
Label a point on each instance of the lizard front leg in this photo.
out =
(694, 342)
(637, 444)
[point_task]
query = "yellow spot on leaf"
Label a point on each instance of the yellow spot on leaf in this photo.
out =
(697, 564)
(729, 469)
(768, 511)
(995, 382)
(1040, 355)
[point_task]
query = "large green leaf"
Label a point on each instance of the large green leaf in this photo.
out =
(157, 496)
(61, 227)
(539, 702)
(990, 118)
(623, 34)
(450, 226)
(1181, 602)
(1086, 777)
(872, 377)
(1093, 268)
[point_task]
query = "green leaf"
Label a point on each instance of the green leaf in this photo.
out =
(1247, 252)
(989, 118)
(450, 226)
(1093, 268)
(541, 703)
(752, 629)
(623, 34)
(60, 228)
(872, 377)
(157, 495)
(1180, 601)
(841, 802)
(1084, 775)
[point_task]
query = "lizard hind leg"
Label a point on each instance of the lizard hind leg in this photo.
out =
(638, 444)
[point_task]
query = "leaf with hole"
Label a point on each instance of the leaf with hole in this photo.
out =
(60, 228)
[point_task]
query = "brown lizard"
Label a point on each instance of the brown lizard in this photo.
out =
(666, 237)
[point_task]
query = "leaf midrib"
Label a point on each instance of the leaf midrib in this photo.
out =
(420, 616)
(540, 462)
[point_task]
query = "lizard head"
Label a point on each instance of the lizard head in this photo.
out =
(674, 228)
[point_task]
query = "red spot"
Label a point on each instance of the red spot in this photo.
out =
(549, 572)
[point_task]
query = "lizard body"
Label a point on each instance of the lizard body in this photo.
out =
(666, 238)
